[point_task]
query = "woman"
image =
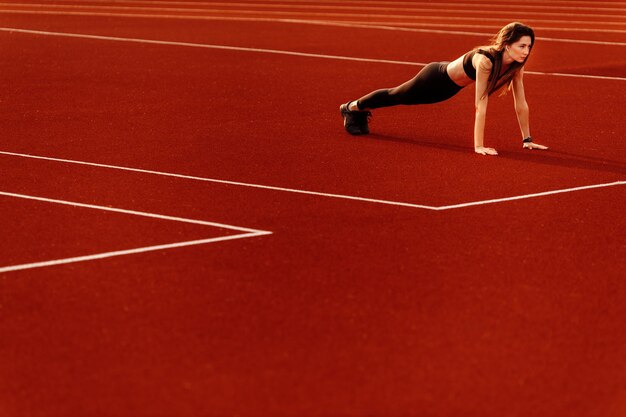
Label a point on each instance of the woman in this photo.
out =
(492, 67)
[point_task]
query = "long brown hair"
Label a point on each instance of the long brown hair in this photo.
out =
(508, 35)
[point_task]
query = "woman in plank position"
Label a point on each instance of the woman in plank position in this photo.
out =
(492, 67)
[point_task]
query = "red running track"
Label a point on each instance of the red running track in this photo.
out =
(349, 307)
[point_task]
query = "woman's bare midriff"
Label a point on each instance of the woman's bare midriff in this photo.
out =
(457, 73)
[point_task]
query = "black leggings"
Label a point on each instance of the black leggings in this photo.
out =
(431, 85)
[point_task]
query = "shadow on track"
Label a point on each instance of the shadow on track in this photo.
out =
(437, 145)
(550, 157)
(567, 160)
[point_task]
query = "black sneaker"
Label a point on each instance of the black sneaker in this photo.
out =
(355, 122)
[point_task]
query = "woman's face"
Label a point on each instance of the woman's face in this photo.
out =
(519, 50)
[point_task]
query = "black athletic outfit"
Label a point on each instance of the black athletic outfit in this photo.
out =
(431, 85)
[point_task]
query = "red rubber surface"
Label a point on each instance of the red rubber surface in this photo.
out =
(348, 307)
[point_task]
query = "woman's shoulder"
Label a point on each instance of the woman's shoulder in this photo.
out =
(482, 62)
(487, 52)
(482, 57)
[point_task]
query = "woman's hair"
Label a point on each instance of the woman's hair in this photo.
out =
(508, 35)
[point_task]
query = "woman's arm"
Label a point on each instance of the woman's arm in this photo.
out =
(483, 69)
(522, 110)
(521, 106)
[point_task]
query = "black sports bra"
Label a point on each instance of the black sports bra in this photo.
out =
(467, 62)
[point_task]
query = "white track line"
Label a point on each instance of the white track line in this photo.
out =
(417, 6)
(308, 12)
(384, 3)
(315, 193)
(248, 233)
(490, 27)
(233, 8)
(237, 183)
(270, 51)
(429, 28)
(132, 212)
(521, 197)
(293, 21)
(217, 12)
(206, 46)
(394, 27)
(104, 255)
(559, 74)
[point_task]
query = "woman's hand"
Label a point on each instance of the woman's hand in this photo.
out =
(530, 145)
(485, 151)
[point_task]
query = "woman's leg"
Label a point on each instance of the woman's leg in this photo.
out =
(387, 97)
(431, 85)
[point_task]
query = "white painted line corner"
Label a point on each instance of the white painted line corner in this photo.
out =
(307, 192)
(103, 255)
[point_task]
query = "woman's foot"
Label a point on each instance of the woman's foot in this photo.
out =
(355, 122)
